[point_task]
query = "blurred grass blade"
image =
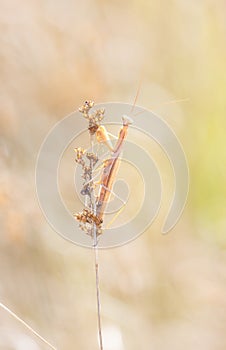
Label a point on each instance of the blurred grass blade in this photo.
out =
(27, 326)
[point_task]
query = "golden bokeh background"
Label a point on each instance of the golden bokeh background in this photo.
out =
(158, 292)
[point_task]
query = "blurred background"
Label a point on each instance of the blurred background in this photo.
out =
(158, 292)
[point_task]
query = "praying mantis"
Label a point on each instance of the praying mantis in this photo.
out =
(92, 216)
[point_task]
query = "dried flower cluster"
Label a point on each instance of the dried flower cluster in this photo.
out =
(87, 218)
(94, 118)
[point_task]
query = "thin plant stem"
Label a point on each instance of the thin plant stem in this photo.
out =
(98, 294)
(27, 326)
(96, 262)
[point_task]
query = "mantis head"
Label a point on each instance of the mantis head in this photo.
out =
(127, 120)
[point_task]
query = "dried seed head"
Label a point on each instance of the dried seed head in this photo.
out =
(79, 153)
(88, 217)
(92, 157)
(86, 170)
(86, 107)
(94, 118)
(99, 114)
(93, 128)
(85, 191)
(88, 221)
